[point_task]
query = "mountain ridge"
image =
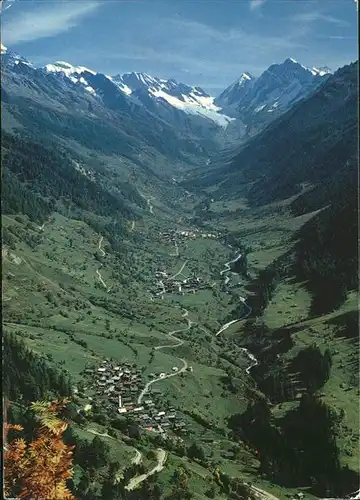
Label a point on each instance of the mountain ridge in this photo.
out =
(239, 112)
(249, 166)
(257, 101)
(64, 97)
(85, 285)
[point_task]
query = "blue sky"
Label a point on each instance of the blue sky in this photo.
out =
(200, 42)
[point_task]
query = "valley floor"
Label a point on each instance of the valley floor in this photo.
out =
(71, 299)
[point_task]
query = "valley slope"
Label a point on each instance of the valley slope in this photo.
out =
(100, 221)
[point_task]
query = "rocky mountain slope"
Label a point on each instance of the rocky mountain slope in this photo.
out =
(306, 159)
(190, 100)
(196, 122)
(258, 101)
(310, 144)
(79, 105)
(84, 242)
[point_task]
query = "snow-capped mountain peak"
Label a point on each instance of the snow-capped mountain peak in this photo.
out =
(67, 68)
(278, 87)
(73, 73)
(231, 96)
(315, 71)
(191, 100)
(324, 70)
(289, 68)
(258, 100)
(250, 100)
(144, 89)
(12, 58)
(136, 80)
(243, 80)
(143, 81)
(245, 76)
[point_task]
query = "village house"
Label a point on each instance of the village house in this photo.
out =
(117, 386)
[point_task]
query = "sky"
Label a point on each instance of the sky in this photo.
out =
(208, 43)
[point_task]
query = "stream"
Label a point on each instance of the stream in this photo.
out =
(252, 358)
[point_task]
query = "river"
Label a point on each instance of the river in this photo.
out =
(250, 355)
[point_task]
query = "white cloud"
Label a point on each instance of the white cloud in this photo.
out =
(48, 20)
(336, 37)
(187, 50)
(194, 34)
(315, 16)
(169, 45)
(256, 4)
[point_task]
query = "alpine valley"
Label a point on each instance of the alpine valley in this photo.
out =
(183, 268)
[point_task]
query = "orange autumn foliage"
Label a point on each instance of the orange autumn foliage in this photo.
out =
(40, 469)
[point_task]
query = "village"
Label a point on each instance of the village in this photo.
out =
(173, 235)
(117, 387)
(165, 283)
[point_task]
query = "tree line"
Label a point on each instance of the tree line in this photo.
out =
(299, 449)
(28, 377)
(37, 180)
(326, 254)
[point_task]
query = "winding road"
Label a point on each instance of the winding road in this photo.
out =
(148, 202)
(243, 349)
(171, 334)
(179, 272)
(99, 246)
(137, 458)
(150, 206)
(176, 254)
(149, 384)
(102, 434)
(262, 495)
(250, 355)
(226, 326)
(162, 454)
(227, 265)
(98, 270)
(41, 228)
(169, 346)
(135, 481)
(101, 279)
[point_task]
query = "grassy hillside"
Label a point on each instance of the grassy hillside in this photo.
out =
(85, 240)
(55, 301)
(285, 325)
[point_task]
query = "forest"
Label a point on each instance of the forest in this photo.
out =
(37, 179)
(324, 257)
(300, 449)
(326, 253)
(29, 377)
